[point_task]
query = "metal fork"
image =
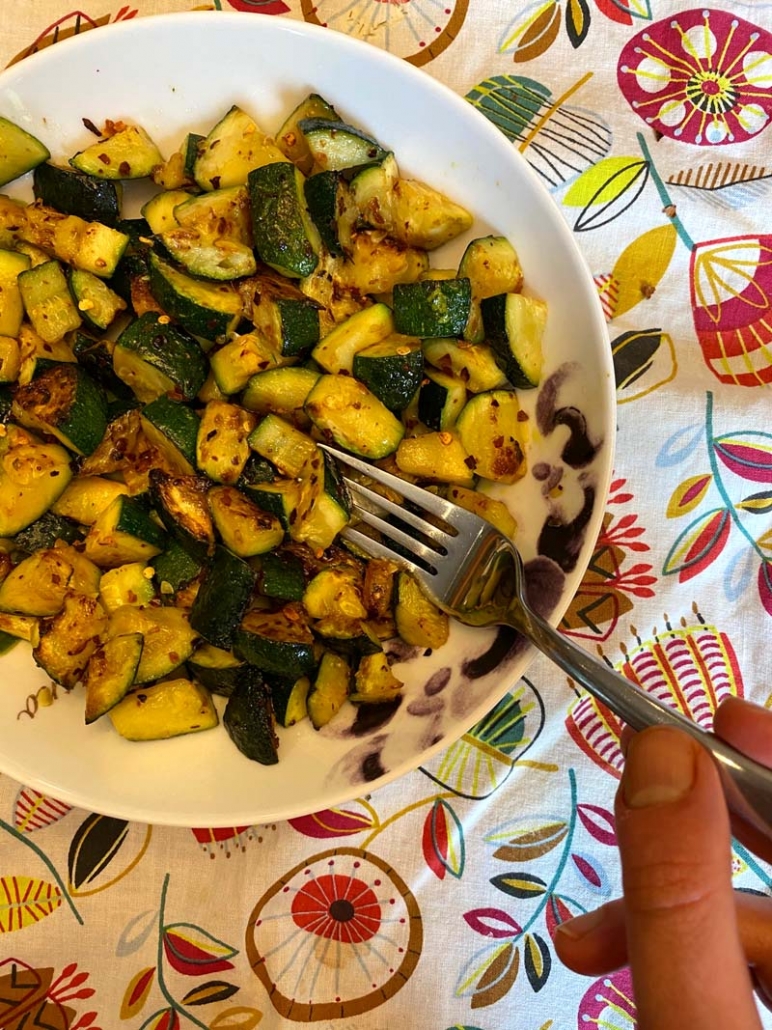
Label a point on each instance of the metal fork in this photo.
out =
(475, 574)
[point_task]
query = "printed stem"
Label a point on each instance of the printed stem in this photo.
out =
(664, 196)
(405, 811)
(752, 864)
(46, 862)
(719, 482)
(173, 1003)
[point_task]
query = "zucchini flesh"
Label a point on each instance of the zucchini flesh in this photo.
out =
(168, 638)
(424, 217)
(330, 689)
(212, 237)
(419, 622)
(68, 640)
(175, 568)
(234, 364)
(11, 304)
(172, 428)
(33, 476)
(126, 584)
(491, 432)
(283, 445)
(489, 508)
(47, 301)
(46, 531)
(127, 154)
(110, 674)
(473, 363)
(162, 710)
(208, 310)
(159, 211)
(514, 325)
(374, 682)
(439, 457)
(181, 502)
(243, 527)
(95, 301)
(276, 643)
(20, 151)
(124, 532)
(281, 391)
(235, 146)
(337, 350)
(441, 400)
(38, 585)
(66, 403)
(492, 266)
(345, 410)
(222, 446)
(288, 699)
(335, 144)
(291, 141)
(149, 345)
(86, 497)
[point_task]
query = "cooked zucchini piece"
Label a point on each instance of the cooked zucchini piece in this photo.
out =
(335, 592)
(372, 188)
(20, 151)
(249, 719)
(155, 358)
(473, 363)
(126, 584)
(223, 598)
(181, 502)
(6, 401)
(492, 266)
(244, 528)
(392, 369)
(66, 403)
(419, 622)
(46, 531)
(432, 307)
(378, 587)
(424, 217)
(289, 450)
(489, 508)
(36, 355)
(86, 575)
(281, 576)
(10, 359)
(190, 149)
(319, 523)
(124, 532)
(221, 446)
(172, 428)
(212, 238)
(285, 317)
(376, 263)
(110, 674)
(281, 498)
(86, 497)
(281, 391)
(288, 699)
(234, 364)
(128, 153)
(441, 400)
(256, 471)
(69, 639)
(327, 197)
(217, 669)
(47, 301)
(335, 144)
(234, 147)
(33, 476)
(175, 569)
(12, 265)
(160, 211)
(330, 689)
(73, 193)
(490, 430)
(162, 710)
(337, 350)
(126, 450)
(291, 141)
(276, 643)
(97, 304)
(38, 585)
(346, 411)
(208, 310)
(285, 236)
(168, 637)
(374, 681)
(21, 627)
(514, 327)
(440, 457)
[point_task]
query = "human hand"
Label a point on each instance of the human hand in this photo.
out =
(687, 935)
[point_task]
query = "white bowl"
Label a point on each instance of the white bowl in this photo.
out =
(181, 72)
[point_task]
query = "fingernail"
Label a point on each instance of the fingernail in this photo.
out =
(659, 768)
(580, 926)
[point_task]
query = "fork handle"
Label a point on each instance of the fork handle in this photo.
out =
(747, 784)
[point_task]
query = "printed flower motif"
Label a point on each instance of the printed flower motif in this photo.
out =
(609, 1003)
(310, 937)
(703, 77)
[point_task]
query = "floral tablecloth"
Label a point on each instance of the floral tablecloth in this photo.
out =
(647, 120)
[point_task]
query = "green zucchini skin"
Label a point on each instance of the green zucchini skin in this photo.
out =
(75, 193)
(321, 193)
(441, 400)
(221, 601)
(285, 237)
(288, 698)
(168, 348)
(276, 644)
(335, 145)
(66, 402)
(249, 719)
(45, 531)
(97, 303)
(177, 567)
(95, 358)
(281, 576)
(432, 307)
(208, 310)
(177, 422)
(392, 370)
(514, 326)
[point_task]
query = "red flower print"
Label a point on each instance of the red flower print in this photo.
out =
(342, 908)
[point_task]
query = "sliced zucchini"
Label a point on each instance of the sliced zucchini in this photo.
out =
(128, 153)
(160, 211)
(490, 430)
(20, 151)
(168, 638)
(244, 528)
(97, 304)
(353, 637)
(335, 592)
(47, 531)
(440, 457)
(66, 403)
(20, 627)
(514, 327)
(392, 369)
(346, 411)
(281, 391)
(424, 217)
(172, 428)
(376, 263)
(285, 236)
(494, 511)
(328, 511)
(276, 643)
(213, 236)
(328, 198)
(47, 301)
(374, 681)
(156, 358)
(110, 674)
(432, 307)
(419, 622)
(291, 141)
(330, 689)
(12, 265)
(473, 363)
(33, 476)
(281, 576)
(288, 699)
(126, 584)
(441, 400)
(223, 598)
(285, 317)
(249, 719)
(86, 497)
(208, 310)
(378, 587)
(181, 502)
(221, 446)
(372, 188)
(218, 670)
(337, 350)
(124, 532)
(281, 498)
(38, 585)
(492, 266)
(69, 639)
(175, 569)
(234, 364)
(234, 147)
(162, 710)
(335, 144)
(287, 448)
(73, 193)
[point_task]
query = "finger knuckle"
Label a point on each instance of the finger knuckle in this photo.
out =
(667, 886)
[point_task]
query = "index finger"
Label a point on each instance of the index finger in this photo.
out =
(748, 727)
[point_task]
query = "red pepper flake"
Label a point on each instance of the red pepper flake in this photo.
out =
(90, 126)
(124, 168)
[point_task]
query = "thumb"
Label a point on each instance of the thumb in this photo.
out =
(682, 936)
